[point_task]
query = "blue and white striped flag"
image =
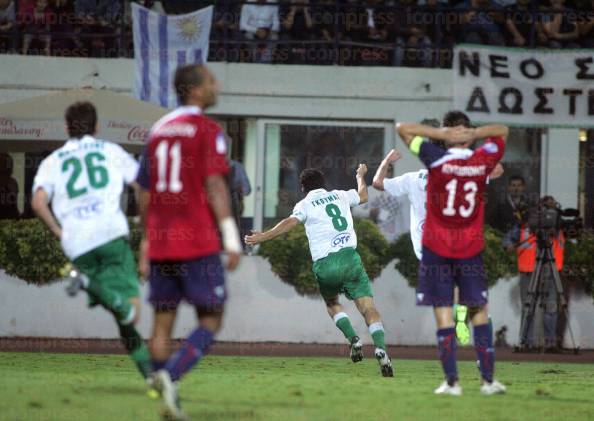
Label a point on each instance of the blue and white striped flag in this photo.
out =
(161, 44)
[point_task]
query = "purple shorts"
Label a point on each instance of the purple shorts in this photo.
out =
(200, 281)
(438, 276)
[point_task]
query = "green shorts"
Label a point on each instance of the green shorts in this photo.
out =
(342, 272)
(113, 267)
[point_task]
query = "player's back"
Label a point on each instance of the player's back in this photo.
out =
(185, 147)
(85, 180)
(455, 197)
(328, 220)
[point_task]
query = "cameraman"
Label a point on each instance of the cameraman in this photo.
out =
(523, 241)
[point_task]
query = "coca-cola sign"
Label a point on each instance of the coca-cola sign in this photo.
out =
(138, 134)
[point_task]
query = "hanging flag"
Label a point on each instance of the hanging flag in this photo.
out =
(161, 44)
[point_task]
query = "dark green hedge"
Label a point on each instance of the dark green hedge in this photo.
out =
(290, 258)
(579, 261)
(498, 264)
(29, 251)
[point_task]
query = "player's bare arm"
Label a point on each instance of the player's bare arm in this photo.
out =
(491, 130)
(281, 228)
(408, 131)
(361, 186)
(143, 199)
(40, 205)
(497, 172)
(382, 171)
(219, 201)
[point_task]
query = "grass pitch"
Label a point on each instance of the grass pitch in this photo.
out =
(107, 387)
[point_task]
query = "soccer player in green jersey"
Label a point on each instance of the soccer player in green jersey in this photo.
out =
(337, 265)
(83, 181)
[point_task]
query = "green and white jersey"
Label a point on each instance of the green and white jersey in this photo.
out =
(328, 220)
(84, 180)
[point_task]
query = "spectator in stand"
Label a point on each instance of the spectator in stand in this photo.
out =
(225, 23)
(260, 23)
(7, 22)
(480, 22)
(298, 26)
(62, 29)
(98, 26)
(586, 28)
(35, 20)
(413, 45)
(367, 23)
(520, 24)
(562, 31)
(438, 19)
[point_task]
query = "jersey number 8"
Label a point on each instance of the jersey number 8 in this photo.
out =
(340, 223)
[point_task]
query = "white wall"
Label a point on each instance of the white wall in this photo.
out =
(262, 308)
(562, 166)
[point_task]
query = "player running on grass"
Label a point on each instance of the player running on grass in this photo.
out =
(413, 185)
(184, 197)
(337, 265)
(83, 180)
(453, 235)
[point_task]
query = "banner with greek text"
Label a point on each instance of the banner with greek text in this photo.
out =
(525, 87)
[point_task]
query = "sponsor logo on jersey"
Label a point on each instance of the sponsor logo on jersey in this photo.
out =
(490, 147)
(87, 210)
(341, 240)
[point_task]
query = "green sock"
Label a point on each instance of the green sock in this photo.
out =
(135, 346)
(377, 334)
(344, 324)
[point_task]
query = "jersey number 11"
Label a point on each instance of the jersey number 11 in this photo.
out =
(163, 152)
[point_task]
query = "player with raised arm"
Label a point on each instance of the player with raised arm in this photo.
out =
(453, 238)
(83, 180)
(413, 185)
(337, 265)
(184, 197)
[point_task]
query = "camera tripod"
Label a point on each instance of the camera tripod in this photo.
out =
(545, 259)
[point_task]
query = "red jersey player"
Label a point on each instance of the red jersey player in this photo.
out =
(453, 235)
(184, 197)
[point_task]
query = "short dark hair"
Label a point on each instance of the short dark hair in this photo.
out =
(455, 118)
(81, 119)
(186, 78)
(516, 178)
(311, 179)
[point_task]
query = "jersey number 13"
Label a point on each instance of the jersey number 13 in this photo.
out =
(470, 189)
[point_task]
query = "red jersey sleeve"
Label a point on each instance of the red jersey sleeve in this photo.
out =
(215, 152)
(491, 152)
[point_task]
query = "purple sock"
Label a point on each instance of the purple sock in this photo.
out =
(194, 348)
(446, 343)
(158, 365)
(483, 344)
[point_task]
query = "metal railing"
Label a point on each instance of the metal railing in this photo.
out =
(343, 22)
